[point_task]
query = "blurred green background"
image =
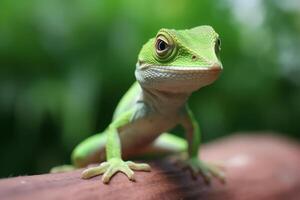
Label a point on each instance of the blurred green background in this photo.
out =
(65, 64)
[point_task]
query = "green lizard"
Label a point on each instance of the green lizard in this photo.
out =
(169, 68)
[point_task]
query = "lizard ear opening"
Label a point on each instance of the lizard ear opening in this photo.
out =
(164, 47)
(218, 46)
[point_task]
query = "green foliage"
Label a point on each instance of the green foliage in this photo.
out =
(65, 64)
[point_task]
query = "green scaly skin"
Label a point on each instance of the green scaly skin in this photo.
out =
(170, 67)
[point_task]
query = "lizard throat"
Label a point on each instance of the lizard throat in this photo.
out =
(176, 79)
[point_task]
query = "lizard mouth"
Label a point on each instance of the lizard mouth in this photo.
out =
(179, 72)
(215, 68)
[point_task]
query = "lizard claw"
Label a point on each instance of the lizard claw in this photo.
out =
(207, 170)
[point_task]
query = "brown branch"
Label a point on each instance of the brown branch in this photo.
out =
(257, 167)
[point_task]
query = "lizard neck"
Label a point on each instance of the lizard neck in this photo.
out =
(164, 102)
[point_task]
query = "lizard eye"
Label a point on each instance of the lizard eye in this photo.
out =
(164, 46)
(218, 46)
(161, 45)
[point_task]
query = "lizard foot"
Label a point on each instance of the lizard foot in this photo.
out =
(207, 170)
(112, 166)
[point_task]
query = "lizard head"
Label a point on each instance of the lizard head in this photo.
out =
(180, 60)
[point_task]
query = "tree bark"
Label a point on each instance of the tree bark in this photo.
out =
(260, 166)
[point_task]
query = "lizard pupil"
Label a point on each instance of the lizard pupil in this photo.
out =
(162, 45)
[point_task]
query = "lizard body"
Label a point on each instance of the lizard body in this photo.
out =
(170, 67)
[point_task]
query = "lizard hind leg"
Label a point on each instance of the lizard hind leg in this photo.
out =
(169, 144)
(91, 150)
(166, 144)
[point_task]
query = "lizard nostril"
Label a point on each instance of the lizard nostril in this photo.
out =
(194, 57)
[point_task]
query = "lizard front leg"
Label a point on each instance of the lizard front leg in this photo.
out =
(114, 161)
(193, 134)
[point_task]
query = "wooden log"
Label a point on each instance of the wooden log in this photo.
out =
(263, 167)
